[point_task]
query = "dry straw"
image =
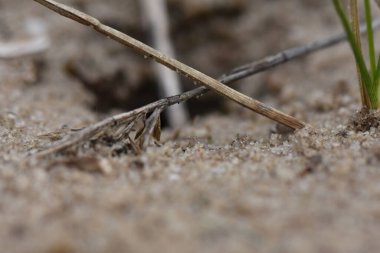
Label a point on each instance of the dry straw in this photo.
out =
(128, 119)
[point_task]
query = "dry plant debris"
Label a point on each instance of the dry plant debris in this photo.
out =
(198, 77)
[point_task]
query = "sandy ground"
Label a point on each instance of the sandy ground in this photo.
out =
(225, 182)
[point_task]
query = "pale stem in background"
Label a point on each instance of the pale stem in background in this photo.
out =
(156, 16)
(37, 42)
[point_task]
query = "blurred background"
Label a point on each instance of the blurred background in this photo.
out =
(213, 36)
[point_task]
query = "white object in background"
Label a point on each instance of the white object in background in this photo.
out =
(37, 42)
(157, 18)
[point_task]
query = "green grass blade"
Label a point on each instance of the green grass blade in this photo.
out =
(370, 39)
(377, 74)
(354, 46)
(354, 13)
(376, 80)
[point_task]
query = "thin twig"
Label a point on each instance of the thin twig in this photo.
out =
(156, 17)
(290, 54)
(278, 59)
(195, 75)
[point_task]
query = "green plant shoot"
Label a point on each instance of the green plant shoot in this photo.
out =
(368, 76)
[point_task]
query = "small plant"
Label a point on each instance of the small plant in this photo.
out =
(369, 80)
